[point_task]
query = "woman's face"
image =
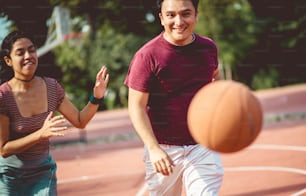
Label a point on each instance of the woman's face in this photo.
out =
(23, 58)
(178, 18)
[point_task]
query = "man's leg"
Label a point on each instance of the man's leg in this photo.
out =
(204, 173)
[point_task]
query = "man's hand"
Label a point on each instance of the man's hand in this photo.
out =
(161, 162)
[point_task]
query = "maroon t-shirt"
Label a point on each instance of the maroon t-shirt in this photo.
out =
(172, 75)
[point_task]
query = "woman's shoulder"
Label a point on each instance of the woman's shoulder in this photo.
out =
(4, 88)
(50, 80)
(51, 83)
(5, 96)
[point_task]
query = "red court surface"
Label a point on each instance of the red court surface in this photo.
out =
(106, 159)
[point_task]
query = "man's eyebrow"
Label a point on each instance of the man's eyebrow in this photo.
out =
(185, 10)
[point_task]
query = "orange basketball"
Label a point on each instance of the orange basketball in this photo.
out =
(225, 116)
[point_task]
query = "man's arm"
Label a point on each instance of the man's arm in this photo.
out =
(137, 110)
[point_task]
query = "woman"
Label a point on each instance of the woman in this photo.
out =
(27, 121)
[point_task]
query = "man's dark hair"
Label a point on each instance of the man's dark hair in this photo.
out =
(194, 2)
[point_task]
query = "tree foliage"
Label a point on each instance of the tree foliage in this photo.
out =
(232, 24)
(261, 43)
(117, 29)
(28, 16)
(281, 45)
(84, 57)
(124, 16)
(31, 17)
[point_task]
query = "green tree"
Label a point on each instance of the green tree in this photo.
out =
(124, 16)
(117, 29)
(265, 79)
(282, 43)
(31, 17)
(232, 24)
(83, 57)
(251, 35)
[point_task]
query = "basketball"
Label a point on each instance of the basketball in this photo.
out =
(225, 116)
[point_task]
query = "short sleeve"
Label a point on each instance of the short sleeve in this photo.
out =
(140, 73)
(216, 56)
(5, 99)
(214, 52)
(3, 109)
(56, 93)
(60, 93)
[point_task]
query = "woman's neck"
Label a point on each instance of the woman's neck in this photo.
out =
(25, 80)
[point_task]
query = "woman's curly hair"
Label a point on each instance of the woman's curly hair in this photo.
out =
(6, 72)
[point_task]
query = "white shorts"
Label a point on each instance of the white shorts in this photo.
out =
(197, 168)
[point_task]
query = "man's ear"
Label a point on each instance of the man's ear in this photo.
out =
(161, 18)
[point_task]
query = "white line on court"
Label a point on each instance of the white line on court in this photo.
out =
(278, 147)
(282, 169)
(142, 191)
(245, 168)
(266, 168)
(262, 168)
(251, 168)
(300, 193)
(102, 176)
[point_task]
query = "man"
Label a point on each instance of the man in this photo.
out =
(163, 77)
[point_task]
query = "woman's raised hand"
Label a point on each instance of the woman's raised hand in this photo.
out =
(102, 79)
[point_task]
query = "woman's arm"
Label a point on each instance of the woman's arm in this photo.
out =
(78, 118)
(53, 126)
